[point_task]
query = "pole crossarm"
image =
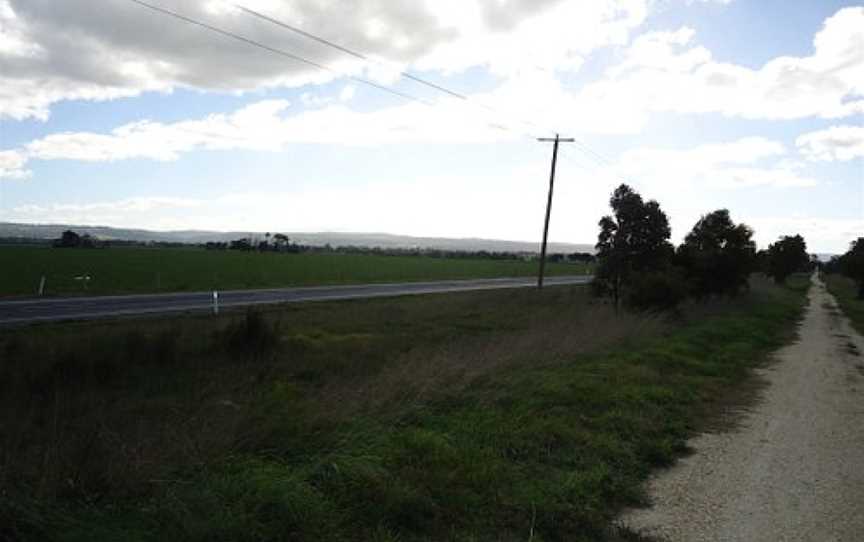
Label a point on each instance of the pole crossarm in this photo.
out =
(556, 140)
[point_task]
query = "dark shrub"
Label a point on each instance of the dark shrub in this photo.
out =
(166, 347)
(657, 290)
(253, 334)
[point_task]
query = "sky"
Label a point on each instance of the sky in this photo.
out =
(114, 113)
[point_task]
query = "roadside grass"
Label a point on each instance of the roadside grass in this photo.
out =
(846, 293)
(147, 270)
(517, 415)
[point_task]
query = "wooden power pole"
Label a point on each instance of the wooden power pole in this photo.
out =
(556, 140)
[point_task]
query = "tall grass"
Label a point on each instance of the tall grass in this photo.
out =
(481, 416)
(845, 291)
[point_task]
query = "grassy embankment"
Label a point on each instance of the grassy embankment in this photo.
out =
(483, 416)
(141, 270)
(846, 293)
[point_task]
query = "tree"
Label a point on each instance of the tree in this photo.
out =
(717, 255)
(280, 240)
(852, 264)
(634, 239)
(68, 239)
(786, 256)
(240, 244)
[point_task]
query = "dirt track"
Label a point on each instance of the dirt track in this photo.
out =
(794, 469)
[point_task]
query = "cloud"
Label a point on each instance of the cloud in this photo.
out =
(664, 72)
(12, 165)
(750, 161)
(841, 143)
(262, 126)
(52, 51)
(822, 234)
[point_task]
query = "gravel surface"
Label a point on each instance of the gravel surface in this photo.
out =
(794, 468)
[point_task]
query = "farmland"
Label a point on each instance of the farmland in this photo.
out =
(151, 270)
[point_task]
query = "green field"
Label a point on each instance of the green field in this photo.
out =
(518, 415)
(846, 293)
(144, 270)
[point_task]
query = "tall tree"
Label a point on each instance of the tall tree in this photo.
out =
(852, 264)
(786, 256)
(633, 239)
(717, 255)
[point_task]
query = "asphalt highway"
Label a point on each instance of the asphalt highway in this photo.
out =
(34, 310)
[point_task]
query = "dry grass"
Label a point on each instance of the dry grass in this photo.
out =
(376, 419)
(427, 373)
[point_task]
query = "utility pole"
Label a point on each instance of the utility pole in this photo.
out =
(556, 140)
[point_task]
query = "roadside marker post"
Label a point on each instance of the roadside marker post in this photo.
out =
(215, 302)
(42, 286)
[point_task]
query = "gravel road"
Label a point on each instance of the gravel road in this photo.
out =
(794, 469)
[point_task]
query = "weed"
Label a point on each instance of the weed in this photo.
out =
(481, 416)
(253, 335)
(846, 292)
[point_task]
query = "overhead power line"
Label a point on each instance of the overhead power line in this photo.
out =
(301, 59)
(281, 52)
(402, 73)
(594, 155)
(600, 158)
(346, 50)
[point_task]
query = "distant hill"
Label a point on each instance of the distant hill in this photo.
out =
(382, 240)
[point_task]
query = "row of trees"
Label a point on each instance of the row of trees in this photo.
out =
(70, 239)
(851, 264)
(638, 264)
(281, 243)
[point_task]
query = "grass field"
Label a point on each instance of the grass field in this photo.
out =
(492, 415)
(140, 270)
(846, 293)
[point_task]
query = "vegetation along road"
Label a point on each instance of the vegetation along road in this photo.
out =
(795, 468)
(85, 308)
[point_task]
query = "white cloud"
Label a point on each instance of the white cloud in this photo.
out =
(840, 143)
(263, 126)
(822, 234)
(750, 161)
(52, 51)
(268, 126)
(657, 51)
(347, 93)
(662, 72)
(514, 36)
(12, 165)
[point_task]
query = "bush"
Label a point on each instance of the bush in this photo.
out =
(253, 335)
(657, 289)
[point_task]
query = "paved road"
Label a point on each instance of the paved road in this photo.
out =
(25, 311)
